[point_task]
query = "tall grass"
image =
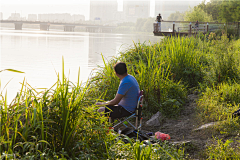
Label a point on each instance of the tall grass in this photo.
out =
(153, 75)
(58, 122)
(166, 70)
(220, 97)
(222, 150)
(217, 105)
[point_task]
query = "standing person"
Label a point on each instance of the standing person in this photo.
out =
(196, 24)
(159, 19)
(125, 101)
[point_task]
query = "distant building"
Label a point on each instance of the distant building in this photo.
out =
(165, 8)
(78, 18)
(43, 17)
(103, 11)
(61, 17)
(1, 16)
(136, 9)
(15, 16)
(32, 17)
(55, 17)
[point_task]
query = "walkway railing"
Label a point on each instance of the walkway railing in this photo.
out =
(189, 28)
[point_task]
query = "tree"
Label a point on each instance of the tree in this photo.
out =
(139, 24)
(177, 16)
(148, 25)
(197, 14)
(144, 24)
(222, 10)
(211, 8)
(229, 11)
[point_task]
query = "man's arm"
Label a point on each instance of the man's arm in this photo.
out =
(113, 102)
(116, 100)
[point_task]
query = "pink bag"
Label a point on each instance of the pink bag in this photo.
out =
(162, 136)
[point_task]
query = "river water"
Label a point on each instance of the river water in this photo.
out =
(39, 54)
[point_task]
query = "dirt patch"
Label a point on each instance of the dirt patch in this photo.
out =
(181, 129)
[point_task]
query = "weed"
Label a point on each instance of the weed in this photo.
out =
(222, 150)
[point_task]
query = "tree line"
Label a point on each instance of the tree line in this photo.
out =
(213, 11)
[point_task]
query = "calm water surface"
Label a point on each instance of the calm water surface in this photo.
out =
(39, 54)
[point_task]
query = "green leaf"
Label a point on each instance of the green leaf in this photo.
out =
(43, 141)
(12, 70)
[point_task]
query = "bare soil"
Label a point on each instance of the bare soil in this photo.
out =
(182, 129)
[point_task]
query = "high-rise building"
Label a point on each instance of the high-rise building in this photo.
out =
(78, 17)
(103, 11)
(43, 17)
(136, 9)
(15, 16)
(32, 17)
(165, 8)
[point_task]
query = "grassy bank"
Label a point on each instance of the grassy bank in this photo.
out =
(167, 71)
(63, 123)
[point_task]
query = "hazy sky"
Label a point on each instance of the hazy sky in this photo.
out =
(25, 7)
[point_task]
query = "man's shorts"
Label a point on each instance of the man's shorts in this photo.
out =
(116, 111)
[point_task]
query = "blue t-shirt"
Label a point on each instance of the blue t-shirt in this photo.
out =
(130, 89)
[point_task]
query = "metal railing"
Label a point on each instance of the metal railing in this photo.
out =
(190, 28)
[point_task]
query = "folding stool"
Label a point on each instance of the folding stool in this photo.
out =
(137, 115)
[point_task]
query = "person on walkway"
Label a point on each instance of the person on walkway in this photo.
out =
(159, 19)
(125, 101)
(196, 24)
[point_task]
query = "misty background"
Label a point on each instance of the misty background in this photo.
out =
(94, 11)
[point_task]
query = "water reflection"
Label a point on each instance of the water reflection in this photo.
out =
(39, 54)
(100, 44)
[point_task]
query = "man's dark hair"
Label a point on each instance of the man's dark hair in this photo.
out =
(120, 68)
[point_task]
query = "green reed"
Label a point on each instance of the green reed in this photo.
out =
(61, 122)
(154, 73)
(39, 123)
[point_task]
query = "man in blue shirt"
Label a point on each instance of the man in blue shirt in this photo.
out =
(125, 101)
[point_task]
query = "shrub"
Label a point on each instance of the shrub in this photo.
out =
(220, 102)
(222, 150)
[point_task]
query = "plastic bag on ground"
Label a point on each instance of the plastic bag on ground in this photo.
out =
(162, 136)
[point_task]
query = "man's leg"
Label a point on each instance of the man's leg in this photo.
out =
(114, 111)
(159, 26)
